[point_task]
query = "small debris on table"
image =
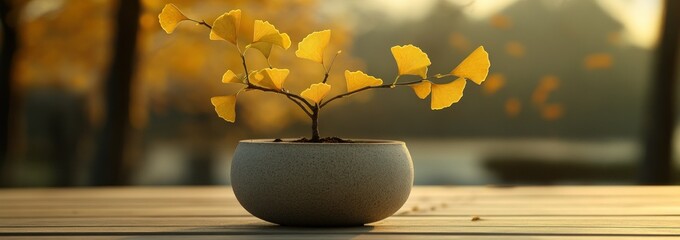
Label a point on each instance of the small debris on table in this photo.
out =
(475, 218)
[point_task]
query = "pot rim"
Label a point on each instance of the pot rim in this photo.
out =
(356, 142)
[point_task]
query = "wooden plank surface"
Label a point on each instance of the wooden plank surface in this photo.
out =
(621, 212)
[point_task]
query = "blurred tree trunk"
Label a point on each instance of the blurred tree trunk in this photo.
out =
(656, 163)
(9, 46)
(110, 162)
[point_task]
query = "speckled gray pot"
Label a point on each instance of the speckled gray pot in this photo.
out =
(329, 184)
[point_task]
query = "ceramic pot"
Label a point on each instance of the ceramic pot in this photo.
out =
(322, 184)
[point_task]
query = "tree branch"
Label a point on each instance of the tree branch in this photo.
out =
(290, 95)
(293, 97)
(245, 68)
(300, 105)
(325, 78)
(366, 88)
(202, 22)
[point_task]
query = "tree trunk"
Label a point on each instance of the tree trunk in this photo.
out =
(9, 46)
(315, 125)
(110, 163)
(656, 164)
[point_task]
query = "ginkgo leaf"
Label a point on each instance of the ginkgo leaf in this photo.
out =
(170, 17)
(225, 106)
(422, 89)
(264, 31)
(357, 80)
(316, 92)
(312, 47)
(231, 77)
(264, 47)
(411, 60)
(443, 95)
(474, 67)
(226, 26)
(272, 78)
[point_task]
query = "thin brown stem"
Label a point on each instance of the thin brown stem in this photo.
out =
(202, 22)
(245, 67)
(291, 95)
(297, 102)
(328, 70)
(325, 78)
(366, 88)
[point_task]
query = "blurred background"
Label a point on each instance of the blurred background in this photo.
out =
(94, 92)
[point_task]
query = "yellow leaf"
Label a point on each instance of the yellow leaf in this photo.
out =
(357, 80)
(316, 92)
(312, 47)
(422, 89)
(272, 78)
(264, 31)
(170, 17)
(225, 106)
(264, 47)
(411, 60)
(230, 77)
(226, 27)
(474, 67)
(285, 41)
(443, 95)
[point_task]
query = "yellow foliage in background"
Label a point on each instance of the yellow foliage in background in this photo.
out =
(598, 61)
(547, 85)
(513, 107)
(493, 83)
(500, 21)
(515, 49)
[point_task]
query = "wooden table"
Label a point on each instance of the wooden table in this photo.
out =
(431, 213)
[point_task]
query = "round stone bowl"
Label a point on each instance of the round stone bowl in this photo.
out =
(322, 184)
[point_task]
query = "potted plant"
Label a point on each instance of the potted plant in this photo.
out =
(322, 181)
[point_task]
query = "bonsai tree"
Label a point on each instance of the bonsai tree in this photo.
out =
(410, 60)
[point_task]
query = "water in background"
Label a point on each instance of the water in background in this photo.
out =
(458, 162)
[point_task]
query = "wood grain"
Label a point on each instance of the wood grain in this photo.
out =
(620, 212)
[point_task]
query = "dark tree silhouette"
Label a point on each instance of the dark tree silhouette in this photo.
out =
(9, 45)
(109, 163)
(656, 164)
